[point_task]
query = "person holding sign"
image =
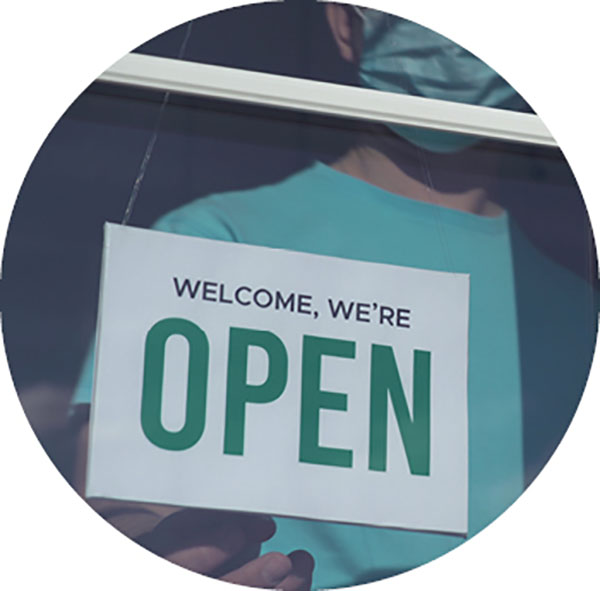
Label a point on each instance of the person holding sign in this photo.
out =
(413, 198)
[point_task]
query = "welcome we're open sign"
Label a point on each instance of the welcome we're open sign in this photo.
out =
(240, 377)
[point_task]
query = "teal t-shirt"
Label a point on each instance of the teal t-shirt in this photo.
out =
(323, 211)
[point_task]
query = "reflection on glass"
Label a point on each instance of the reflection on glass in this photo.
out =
(511, 216)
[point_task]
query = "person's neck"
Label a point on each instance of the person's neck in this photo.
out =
(403, 169)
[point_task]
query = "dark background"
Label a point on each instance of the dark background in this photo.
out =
(84, 173)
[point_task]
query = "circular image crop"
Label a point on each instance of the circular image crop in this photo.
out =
(319, 295)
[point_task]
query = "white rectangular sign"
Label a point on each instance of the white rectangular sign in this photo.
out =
(241, 377)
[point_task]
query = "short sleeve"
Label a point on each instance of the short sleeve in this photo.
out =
(202, 218)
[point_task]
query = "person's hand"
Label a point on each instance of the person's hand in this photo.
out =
(219, 544)
(226, 545)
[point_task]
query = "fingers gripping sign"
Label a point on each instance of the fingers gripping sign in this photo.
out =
(226, 545)
(220, 544)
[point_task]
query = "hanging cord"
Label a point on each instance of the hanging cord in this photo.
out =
(426, 171)
(152, 142)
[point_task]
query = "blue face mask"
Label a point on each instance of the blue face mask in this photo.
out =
(401, 56)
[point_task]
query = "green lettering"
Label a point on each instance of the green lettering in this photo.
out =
(314, 399)
(154, 366)
(239, 392)
(415, 432)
